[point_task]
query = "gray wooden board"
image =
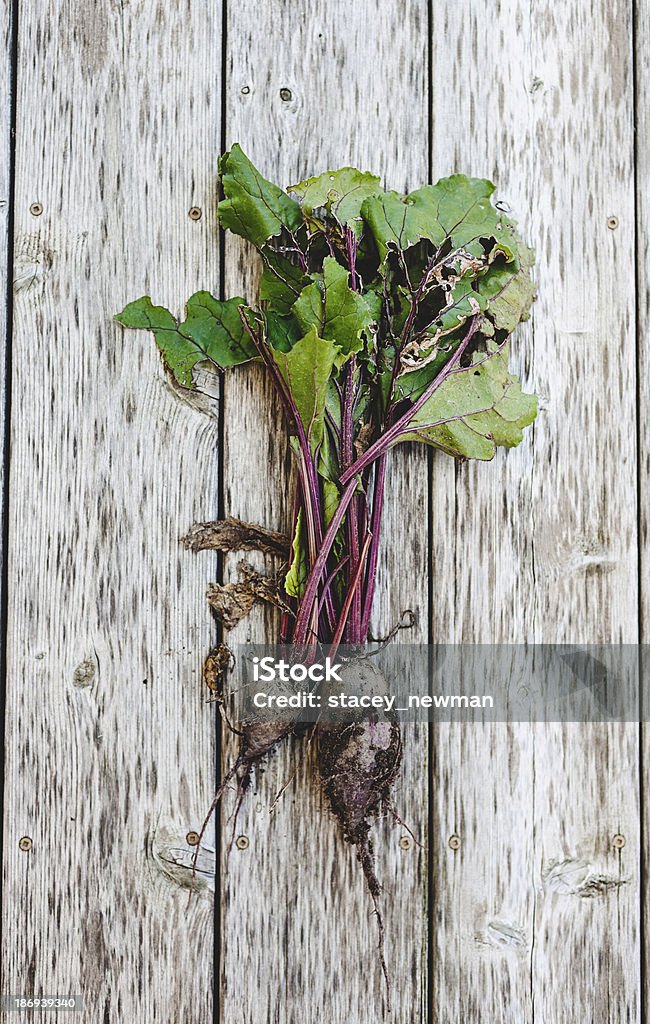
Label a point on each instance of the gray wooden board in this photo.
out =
(109, 740)
(118, 129)
(541, 545)
(6, 27)
(298, 936)
(642, 39)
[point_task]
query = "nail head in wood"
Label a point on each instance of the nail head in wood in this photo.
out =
(612, 223)
(618, 841)
(195, 213)
(192, 838)
(25, 844)
(454, 842)
(286, 95)
(246, 90)
(242, 842)
(405, 843)
(36, 209)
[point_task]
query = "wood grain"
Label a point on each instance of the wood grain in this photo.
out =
(6, 29)
(543, 542)
(642, 111)
(109, 741)
(298, 936)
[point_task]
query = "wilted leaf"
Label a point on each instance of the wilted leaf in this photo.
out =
(232, 601)
(235, 535)
(217, 662)
(253, 207)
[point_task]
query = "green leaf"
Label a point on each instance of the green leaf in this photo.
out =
(342, 193)
(512, 294)
(282, 331)
(212, 330)
(296, 577)
(281, 282)
(474, 410)
(307, 369)
(253, 207)
(329, 305)
(457, 208)
(331, 499)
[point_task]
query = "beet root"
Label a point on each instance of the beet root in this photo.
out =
(359, 760)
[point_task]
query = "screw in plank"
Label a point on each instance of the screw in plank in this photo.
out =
(454, 842)
(195, 213)
(286, 95)
(242, 843)
(245, 90)
(36, 209)
(405, 843)
(612, 223)
(192, 838)
(618, 841)
(25, 844)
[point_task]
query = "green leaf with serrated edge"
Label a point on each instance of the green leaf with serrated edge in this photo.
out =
(475, 409)
(281, 282)
(217, 328)
(457, 208)
(253, 207)
(329, 305)
(307, 369)
(296, 577)
(212, 330)
(512, 294)
(340, 192)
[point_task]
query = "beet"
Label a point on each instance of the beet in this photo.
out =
(359, 760)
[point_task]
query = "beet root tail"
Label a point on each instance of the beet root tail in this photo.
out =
(366, 857)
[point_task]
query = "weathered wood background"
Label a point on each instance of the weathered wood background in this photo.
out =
(111, 119)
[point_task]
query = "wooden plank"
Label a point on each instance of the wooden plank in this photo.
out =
(642, 110)
(109, 741)
(6, 27)
(298, 936)
(543, 541)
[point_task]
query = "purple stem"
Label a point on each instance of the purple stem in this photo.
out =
(375, 529)
(383, 443)
(308, 475)
(313, 580)
(352, 523)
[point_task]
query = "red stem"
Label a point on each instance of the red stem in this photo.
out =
(383, 443)
(313, 580)
(352, 590)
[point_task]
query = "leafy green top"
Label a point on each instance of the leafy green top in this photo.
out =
(382, 318)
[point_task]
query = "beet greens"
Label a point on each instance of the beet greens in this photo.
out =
(382, 318)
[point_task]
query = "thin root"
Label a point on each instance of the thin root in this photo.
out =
(391, 810)
(407, 620)
(366, 858)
